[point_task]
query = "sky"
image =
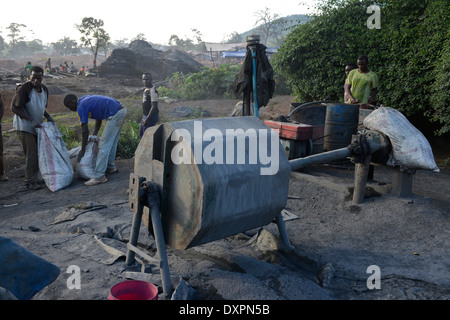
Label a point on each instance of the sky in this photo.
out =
(51, 20)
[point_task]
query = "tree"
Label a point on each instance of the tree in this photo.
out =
(94, 36)
(14, 32)
(121, 43)
(187, 44)
(139, 36)
(197, 35)
(2, 44)
(66, 46)
(268, 22)
(233, 37)
(174, 40)
(35, 46)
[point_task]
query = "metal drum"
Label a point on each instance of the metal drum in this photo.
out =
(341, 123)
(220, 188)
(314, 114)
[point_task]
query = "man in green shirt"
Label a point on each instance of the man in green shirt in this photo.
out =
(361, 85)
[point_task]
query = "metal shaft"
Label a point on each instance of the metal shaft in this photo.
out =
(255, 84)
(137, 218)
(161, 249)
(252, 43)
(361, 174)
(300, 163)
(283, 232)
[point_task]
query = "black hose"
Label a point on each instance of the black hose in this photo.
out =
(304, 105)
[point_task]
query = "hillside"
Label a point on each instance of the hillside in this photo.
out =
(283, 27)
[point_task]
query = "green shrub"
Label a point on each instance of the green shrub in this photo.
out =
(128, 140)
(410, 54)
(71, 140)
(212, 83)
(209, 83)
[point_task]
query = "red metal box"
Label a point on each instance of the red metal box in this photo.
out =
(293, 131)
(296, 131)
(274, 125)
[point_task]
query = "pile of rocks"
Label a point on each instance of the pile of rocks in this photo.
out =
(141, 57)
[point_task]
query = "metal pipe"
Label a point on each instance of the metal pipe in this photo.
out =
(300, 163)
(161, 247)
(255, 86)
(305, 105)
(361, 174)
(137, 218)
(283, 232)
(135, 205)
(252, 43)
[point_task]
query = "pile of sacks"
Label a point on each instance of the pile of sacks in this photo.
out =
(56, 164)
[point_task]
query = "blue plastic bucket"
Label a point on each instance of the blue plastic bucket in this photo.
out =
(341, 122)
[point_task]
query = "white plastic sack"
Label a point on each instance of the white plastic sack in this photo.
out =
(85, 168)
(410, 148)
(54, 162)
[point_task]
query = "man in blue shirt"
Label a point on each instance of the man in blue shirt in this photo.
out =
(99, 108)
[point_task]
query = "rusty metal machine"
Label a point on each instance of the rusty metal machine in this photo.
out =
(199, 181)
(205, 199)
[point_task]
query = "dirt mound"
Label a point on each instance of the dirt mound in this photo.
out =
(10, 65)
(141, 57)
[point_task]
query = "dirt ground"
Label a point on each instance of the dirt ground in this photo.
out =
(335, 240)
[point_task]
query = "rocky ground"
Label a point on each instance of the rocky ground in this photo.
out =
(335, 241)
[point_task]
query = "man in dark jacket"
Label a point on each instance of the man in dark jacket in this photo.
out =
(29, 105)
(243, 83)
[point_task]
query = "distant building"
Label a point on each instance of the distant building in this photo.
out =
(216, 50)
(240, 55)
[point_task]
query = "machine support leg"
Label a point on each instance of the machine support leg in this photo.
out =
(402, 183)
(361, 174)
(161, 249)
(283, 231)
(136, 224)
(370, 175)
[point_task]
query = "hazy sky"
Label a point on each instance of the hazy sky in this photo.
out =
(51, 20)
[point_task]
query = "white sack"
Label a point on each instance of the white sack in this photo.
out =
(54, 162)
(410, 148)
(85, 168)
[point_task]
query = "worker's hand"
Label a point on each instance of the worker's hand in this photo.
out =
(80, 155)
(354, 101)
